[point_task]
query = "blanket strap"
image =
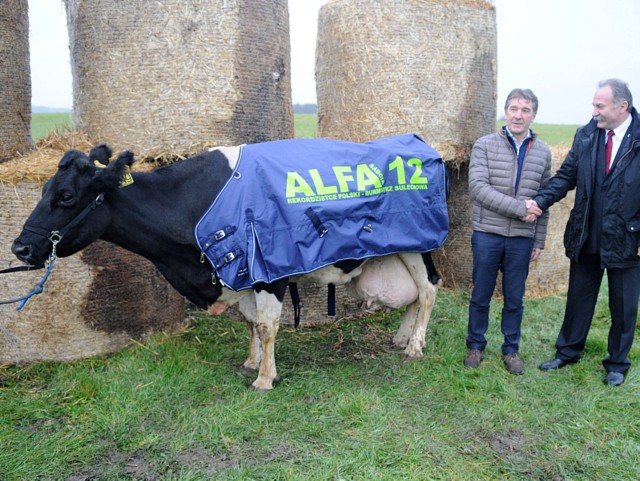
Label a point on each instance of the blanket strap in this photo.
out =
(317, 223)
(331, 300)
(295, 299)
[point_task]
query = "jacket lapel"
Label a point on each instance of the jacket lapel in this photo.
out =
(625, 155)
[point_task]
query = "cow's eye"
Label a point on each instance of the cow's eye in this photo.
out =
(65, 198)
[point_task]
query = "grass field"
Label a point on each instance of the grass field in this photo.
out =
(42, 124)
(346, 407)
(305, 125)
(553, 134)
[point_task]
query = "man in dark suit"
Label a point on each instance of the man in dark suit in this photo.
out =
(603, 230)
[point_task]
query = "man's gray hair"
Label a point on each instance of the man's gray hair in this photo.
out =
(620, 91)
(525, 94)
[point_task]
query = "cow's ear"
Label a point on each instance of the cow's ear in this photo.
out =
(101, 154)
(74, 157)
(117, 173)
(125, 158)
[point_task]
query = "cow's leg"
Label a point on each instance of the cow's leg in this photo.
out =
(255, 349)
(424, 304)
(401, 339)
(247, 306)
(268, 313)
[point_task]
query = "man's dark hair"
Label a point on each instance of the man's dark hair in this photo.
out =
(525, 94)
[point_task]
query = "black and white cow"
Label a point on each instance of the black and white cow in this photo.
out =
(155, 217)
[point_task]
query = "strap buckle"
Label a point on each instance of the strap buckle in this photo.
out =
(55, 236)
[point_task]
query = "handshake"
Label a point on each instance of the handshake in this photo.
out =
(533, 211)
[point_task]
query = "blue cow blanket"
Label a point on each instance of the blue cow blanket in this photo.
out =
(294, 206)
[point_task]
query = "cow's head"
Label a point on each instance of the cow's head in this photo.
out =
(71, 213)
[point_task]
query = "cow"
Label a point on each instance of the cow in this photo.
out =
(155, 216)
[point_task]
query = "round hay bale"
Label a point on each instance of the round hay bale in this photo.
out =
(314, 305)
(95, 302)
(454, 259)
(15, 79)
(174, 76)
(423, 66)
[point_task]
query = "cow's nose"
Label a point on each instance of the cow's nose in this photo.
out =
(21, 251)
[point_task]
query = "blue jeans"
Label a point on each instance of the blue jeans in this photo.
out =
(511, 255)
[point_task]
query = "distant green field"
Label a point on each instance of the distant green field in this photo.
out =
(305, 127)
(42, 124)
(553, 134)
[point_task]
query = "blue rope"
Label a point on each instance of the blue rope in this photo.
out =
(37, 289)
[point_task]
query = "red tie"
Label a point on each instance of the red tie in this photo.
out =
(607, 152)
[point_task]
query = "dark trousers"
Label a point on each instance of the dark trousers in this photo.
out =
(585, 278)
(493, 253)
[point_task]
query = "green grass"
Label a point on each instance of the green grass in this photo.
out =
(305, 125)
(346, 407)
(42, 124)
(552, 134)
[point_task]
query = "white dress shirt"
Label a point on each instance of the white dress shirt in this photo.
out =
(618, 136)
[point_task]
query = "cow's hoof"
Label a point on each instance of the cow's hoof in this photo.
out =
(400, 341)
(406, 358)
(261, 387)
(247, 371)
(399, 344)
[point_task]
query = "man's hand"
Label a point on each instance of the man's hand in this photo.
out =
(533, 211)
(535, 253)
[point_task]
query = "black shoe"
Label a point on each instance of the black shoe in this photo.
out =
(614, 378)
(554, 364)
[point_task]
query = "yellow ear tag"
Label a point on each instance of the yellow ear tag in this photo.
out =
(127, 178)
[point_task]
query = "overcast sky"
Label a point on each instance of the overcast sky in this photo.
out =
(558, 48)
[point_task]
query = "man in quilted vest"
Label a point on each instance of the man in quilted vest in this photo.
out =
(506, 170)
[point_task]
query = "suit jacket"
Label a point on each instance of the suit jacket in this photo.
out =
(620, 209)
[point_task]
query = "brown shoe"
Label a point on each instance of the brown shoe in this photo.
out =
(474, 356)
(513, 363)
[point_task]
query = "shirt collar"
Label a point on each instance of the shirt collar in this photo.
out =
(620, 130)
(515, 141)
